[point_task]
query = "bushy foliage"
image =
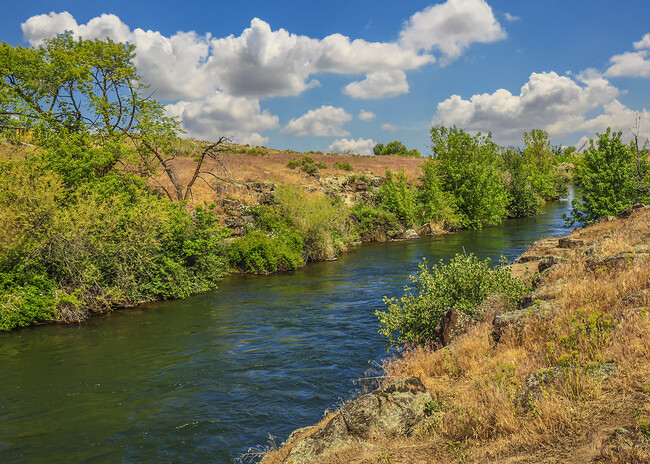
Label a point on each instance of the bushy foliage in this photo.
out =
(320, 221)
(343, 166)
(613, 178)
(307, 164)
(264, 252)
(100, 245)
(470, 169)
(434, 203)
(395, 148)
(398, 197)
(271, 244)
(373, 222)
(463, 284)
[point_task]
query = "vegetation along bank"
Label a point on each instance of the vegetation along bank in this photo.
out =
(103, 205)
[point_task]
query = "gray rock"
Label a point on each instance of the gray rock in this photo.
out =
(392, 411)
(568, 242)
(410, 234)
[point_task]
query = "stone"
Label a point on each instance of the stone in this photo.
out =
(568, 242)
(392, 411)
(448, 325)
(410, 234)
(548, 263)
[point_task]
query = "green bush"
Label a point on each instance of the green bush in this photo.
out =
(612, 178)
(398, 197)
(343, 166)
(105, 244)
(433, 203)
(463, 284)
(306, 164)
(271, 244)
(261, 252)
(374, 223)
(321, 222)
(470, 168)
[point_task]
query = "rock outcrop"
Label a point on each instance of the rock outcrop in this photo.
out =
(392, 411)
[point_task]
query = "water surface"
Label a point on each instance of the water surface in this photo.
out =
(204, 379)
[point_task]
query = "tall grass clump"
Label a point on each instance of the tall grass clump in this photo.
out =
(321, 222)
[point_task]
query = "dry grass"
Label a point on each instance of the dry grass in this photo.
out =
(486, 413)
(242, 168)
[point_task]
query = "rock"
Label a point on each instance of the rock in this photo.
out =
(392, 411)
(508, 321)
(548, 262)
(568, 242)
(619, 261)
(410, 234)
(238, 224)
(448, 324)
(537, 381)
(360, 187)
(266, 198)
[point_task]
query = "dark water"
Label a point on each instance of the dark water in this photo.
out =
(203, 379)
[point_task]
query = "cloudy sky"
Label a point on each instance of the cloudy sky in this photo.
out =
(344, 75)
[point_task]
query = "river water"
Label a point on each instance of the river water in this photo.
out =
(204, 379)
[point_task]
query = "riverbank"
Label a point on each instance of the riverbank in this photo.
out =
(564, 378)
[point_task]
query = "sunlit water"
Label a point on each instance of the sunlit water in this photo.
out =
(204, 379)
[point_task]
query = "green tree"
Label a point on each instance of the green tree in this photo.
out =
(395, 148)
(398, 197)
(611, 177)
(470, 168)
(434, 203)
(88, 109)
(539, 164)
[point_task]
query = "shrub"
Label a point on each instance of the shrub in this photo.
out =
(307, 164)
(398, 197)
(373, 223)
(272, 244)
(462, 284)
(434, 204)
(261, 252)
(321, 222)
(343, 166)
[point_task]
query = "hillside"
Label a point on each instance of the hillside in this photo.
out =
(564, 378)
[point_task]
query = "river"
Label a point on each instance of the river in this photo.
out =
(205, 378)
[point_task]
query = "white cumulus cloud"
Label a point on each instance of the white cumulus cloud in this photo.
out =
(389, 127)
(225, 115)
(631, 64)
(379, 84)
(366, 115)
(323, 121)
(643, 43)
(558, 104)
(452, 27)
(350, 146)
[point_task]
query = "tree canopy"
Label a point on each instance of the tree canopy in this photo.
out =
(395, 148)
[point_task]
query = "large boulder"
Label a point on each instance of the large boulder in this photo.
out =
(392, 411)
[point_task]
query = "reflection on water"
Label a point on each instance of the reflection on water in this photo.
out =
(202, 379)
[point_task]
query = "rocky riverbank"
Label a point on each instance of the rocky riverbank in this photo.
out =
(564, 377)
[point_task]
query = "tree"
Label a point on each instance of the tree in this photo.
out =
(470, 168)
(395, 148)
(610, 178)
(89, 110)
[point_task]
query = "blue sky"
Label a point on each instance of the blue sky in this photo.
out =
(344, 75)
